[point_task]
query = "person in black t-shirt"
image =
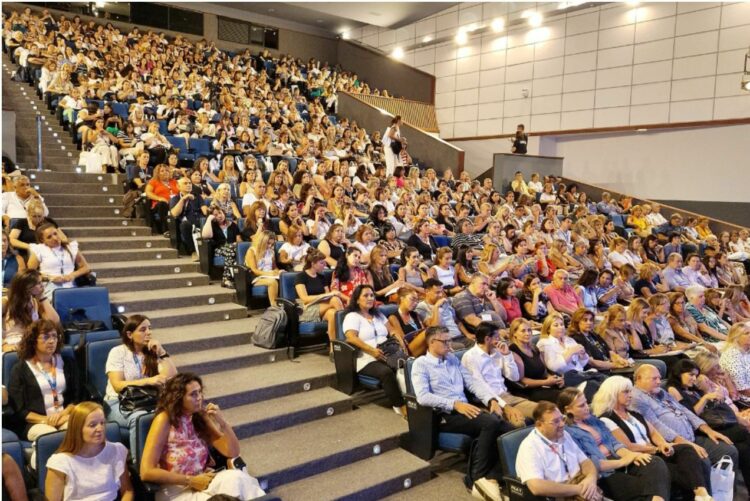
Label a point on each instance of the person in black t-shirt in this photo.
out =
(520, 141)
(315, 295)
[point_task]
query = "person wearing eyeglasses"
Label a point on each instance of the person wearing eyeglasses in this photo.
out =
(551, 464)
(43, 384)
(441, 382)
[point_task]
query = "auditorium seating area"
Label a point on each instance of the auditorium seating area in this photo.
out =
(266, 159)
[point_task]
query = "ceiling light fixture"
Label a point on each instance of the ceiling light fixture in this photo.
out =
(745, 82)
(100, 4)
(498, 25)
(462, 37)
(632, 3)
(345, 35)
(426, 39)
(535, 20)
(398, 53)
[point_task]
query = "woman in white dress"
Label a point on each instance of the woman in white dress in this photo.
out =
(87, 466)
(392, 133)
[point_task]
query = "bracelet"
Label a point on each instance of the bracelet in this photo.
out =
(162, 357)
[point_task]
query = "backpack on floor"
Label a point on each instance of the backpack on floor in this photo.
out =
(271, 329)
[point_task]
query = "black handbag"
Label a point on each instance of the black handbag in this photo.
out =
(396, 146)
(79, 322)
(139, 398)
(87, 280)
(393, 352)
(718, 415)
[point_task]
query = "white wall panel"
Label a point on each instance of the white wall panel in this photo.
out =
(691, 111)
(695, 66)
(650, 93)
(649, 114)
(546, 86)
(491, 94)
(605, 66)
(575, 101)
(696, 22)
(490, 110)
(579, 81)
(659, 71)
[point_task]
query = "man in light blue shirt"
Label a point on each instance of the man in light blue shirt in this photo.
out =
(439, 382)
(674, 277)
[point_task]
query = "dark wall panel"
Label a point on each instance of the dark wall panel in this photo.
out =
(382, 72)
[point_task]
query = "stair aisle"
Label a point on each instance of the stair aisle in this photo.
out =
(300, 437)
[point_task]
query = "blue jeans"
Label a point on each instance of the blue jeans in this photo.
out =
(126, 421)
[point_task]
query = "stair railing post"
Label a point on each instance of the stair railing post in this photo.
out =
(39, 142)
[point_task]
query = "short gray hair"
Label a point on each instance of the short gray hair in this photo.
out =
(694, 291)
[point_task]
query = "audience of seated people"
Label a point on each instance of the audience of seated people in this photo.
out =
(281, 169)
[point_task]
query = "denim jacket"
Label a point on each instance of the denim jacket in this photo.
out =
(588, 445)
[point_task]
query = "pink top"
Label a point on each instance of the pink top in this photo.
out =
(512, 308)
(564, 299)
(185, 452)
(357, 276)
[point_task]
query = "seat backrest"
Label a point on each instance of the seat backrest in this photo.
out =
(94, 300)
(46, 445)
(508, 445)
(142, 426)
(442, 240)
(388, 309)
(201, 146)
(10, 359)
(286, 285)
(407, 375)
(242, 249)
(340, 325)
(96, 361)
(177, 142)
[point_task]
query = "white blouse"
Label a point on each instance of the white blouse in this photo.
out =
(57, 261)
(91, 479)
(372, 332)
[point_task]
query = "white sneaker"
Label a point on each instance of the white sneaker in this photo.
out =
(486, 489)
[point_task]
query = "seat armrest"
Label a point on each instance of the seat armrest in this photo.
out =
(517, 490)
(344, 357)
(423, 428)
(206, 255)
(242, 284)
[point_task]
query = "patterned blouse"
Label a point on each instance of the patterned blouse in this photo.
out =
(185, 452)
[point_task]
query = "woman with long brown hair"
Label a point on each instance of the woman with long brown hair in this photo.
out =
(140, 360)
(176, 454)
(24, 303)
(86, 465)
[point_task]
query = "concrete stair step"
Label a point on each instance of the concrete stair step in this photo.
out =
(391, 473)
(56, 211)
(264, 382)
(102, 256)
(143, 283)
(189, 338)
(173, 317)
(447, 485)
(122, 242)
(308, 449)
(264, 417)
(48, 188)
(113, 199)
(97, 232)
(172, 298)
(222, 358)
(74, 177)
(102, 222)
(145, 268)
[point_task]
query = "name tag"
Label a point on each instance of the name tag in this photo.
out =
(486, 317)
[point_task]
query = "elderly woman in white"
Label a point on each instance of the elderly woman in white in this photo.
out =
(735, 358)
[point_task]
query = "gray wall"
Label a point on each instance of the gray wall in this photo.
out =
(731, 212)
(506, 165)
(9, 135)
(383, 72)
(427, 148)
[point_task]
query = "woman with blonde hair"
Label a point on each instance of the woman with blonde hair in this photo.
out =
(87, 465)
(735, 358)
(611, 405)
(564, 356)
(490, 263)
(618, 334)
(261, 261)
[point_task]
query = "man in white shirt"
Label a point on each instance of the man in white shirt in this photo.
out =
(15, 202)
(491, 362)
(259, 190)
(551, 464)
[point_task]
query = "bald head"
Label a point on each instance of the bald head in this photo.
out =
(647, 378)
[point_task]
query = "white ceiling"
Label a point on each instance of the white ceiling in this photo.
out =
(337, 17)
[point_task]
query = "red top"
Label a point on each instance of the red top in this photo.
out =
(162, 190)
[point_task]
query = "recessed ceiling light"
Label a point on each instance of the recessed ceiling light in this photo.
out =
(426, 39)
(462, 38)
(498, 25)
